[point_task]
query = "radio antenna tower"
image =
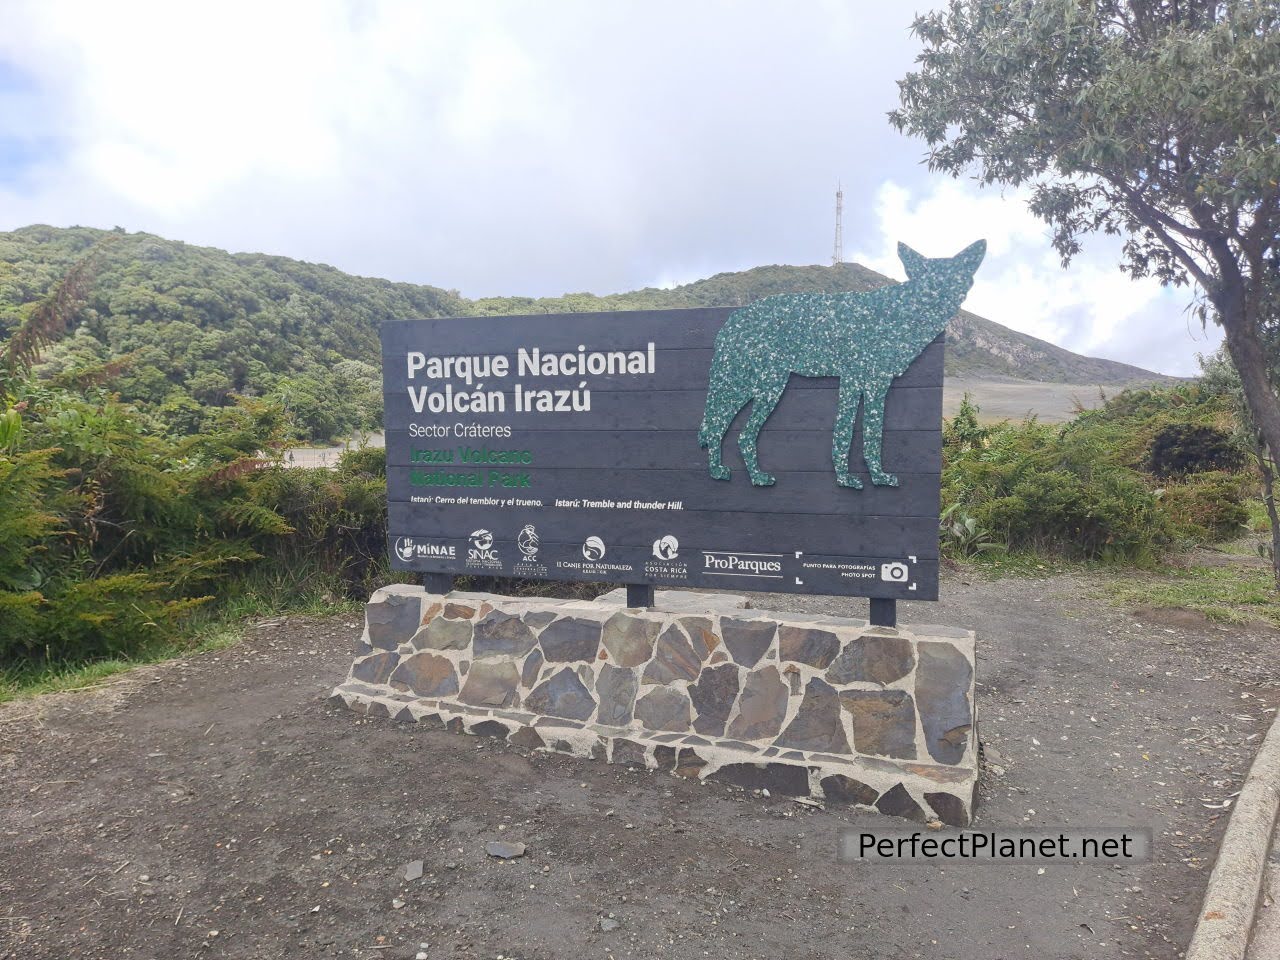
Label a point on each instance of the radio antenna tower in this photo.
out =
(837, 254)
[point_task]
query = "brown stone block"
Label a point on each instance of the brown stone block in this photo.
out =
(949, 808)
(426, 675)
(884, 722)
(688, 763)
(874, 659)
(702, 634)
(817, 648)
(490, 728)
(443, 634)
(629, 638)
(491, 684)
(526, 737)
(841, 789)
(627, 752)
(673, 658)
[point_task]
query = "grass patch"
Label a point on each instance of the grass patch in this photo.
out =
(252, 598)
(1259, 521)
(1227, 594)
(996, 564)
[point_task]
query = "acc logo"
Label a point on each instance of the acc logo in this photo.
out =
(408, 549)
(481, 546)
(667, 548)
(593, 548)
(527, 541)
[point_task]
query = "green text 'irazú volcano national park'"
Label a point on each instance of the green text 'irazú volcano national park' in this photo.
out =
(592, 446)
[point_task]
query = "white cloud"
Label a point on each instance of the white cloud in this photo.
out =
(1092, 307)
(503, 148)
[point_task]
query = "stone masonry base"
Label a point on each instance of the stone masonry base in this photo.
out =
(823, 707)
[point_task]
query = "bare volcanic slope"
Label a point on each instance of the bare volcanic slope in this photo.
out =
(977, 348)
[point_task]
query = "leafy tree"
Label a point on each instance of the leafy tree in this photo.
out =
(1151, 119)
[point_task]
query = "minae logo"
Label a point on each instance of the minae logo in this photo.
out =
(408, 548)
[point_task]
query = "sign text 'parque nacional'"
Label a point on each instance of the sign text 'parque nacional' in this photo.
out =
(593, 446)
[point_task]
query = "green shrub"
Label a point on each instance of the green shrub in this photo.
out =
(1184, 448)
(1207, 506)
(1083, 489)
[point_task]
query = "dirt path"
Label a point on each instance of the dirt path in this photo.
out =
(224, 794)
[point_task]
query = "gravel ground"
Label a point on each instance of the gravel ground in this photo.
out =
(219, 807)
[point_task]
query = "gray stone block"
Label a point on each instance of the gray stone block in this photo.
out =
(942, 696)
(762, 706)
(713, 697)
(375, 669)
(747, 640)
(664, 708)
(501, 634)
(818, 724)
(570, 639)
(562, 696)
(616, 689)
(393, 620)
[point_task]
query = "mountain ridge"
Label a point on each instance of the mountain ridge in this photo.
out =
(199, 326)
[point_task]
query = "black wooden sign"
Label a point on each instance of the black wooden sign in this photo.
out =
(587, 447)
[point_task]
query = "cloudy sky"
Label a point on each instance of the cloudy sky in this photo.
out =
(526, 148)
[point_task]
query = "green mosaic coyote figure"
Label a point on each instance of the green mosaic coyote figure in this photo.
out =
(866, 339)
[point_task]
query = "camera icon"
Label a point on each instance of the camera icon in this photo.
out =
(895, 572)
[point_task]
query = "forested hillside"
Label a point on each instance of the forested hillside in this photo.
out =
(179, 329)
(186, 328)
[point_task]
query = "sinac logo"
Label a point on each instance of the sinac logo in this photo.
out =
(666, 548)
(527, 541)
(593, 549)
(481, 545)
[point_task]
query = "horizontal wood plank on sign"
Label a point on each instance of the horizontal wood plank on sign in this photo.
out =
(560, 332)
(705, 530)
(674, 369)
(908, 408)
(918, 450)
(787, 573)
(795, 492)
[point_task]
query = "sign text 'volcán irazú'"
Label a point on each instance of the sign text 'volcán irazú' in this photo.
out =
(600, 446)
